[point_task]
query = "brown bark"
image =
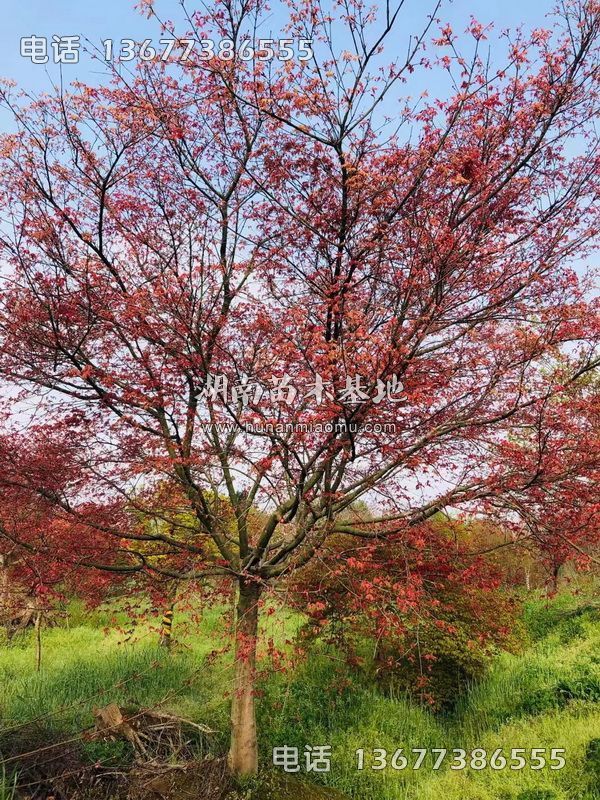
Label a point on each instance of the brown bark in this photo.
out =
(38, 641)
(243, 752)
(3, 587)
(555, 577)
(166, 627)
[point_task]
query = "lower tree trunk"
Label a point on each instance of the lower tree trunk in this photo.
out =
(3, 588)
(166, 627)
(38, 640)
(243, 752)
(555, 577)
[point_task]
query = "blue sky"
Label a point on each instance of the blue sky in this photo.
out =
(116, 19)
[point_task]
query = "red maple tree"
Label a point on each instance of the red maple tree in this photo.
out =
(295, 285)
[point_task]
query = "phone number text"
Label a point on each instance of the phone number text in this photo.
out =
(477, 759)
(207, 49)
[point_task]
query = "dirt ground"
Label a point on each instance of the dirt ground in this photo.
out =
(65, 777)
(163, 764)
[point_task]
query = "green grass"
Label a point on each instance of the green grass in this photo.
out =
(86, 666)
(547, 696)
(7, 785)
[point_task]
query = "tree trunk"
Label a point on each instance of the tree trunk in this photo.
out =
(3, 587)
(233, 606)
(5, 595)
(243, 753)
(38, 641)
(166, 627)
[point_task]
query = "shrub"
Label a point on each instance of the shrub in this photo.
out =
(428, 623)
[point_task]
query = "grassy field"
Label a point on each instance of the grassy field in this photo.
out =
(546, 696)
